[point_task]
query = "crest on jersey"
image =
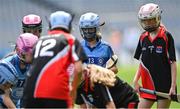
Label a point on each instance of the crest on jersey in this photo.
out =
(159, 49)
(100, 61)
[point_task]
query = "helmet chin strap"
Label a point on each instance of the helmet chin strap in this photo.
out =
(89, 39)
(97, 37)
(152, 28)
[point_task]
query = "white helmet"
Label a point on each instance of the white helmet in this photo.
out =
(149, 16)
(60, 19)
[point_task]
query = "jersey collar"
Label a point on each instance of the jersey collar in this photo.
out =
(160, 34)
(55, 32)
(96, 45)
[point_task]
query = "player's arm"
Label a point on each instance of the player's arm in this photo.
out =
(137, 56)
(114, 69)
(172, 57)
(110, 105)
(5, 96)
(7, 100)
(77, 78)
(7, 80)
(136, 79)
(112, 61)
(173, 75)
(79, 57)
(83, 106)
(111, 64)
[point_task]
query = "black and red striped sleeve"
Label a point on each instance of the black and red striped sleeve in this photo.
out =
(78, 52)
(138, 50)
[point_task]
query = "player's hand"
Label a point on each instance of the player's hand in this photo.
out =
(5, 86)
(172, 90)
(136, 86)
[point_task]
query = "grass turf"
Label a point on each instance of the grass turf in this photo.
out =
(127, 74)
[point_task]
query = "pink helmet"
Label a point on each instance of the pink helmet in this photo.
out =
(32, 21)
(25, 43)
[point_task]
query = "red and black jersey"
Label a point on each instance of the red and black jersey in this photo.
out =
(156, 56)
(122, 94)
(48, 75)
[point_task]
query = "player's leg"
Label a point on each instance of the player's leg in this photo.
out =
(145, 103)
(163, 103)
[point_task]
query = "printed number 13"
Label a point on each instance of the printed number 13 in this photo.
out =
(91, 60)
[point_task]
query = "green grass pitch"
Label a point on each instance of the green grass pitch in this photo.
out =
(127, 74)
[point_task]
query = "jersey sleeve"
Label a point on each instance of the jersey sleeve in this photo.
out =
(138, 51)
(78, 52)
(171, 48)
(111, 52)
(6, 76)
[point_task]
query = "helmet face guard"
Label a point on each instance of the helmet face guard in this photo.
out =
(89, 25)
(150, 24)
(32, 24)
(149, 17)
(89, 33)
(32, 29)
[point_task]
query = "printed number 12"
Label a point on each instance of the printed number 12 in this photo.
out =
(43, 48)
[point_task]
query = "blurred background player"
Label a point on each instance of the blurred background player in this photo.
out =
(157, 56)
(32, 23)
(13, 70)
(99, 52)
(52, 56)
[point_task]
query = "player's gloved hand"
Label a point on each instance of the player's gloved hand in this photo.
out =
(101, 75)
(112, 61)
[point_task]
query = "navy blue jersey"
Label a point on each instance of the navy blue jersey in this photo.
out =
(9, 67)
(99, 54)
